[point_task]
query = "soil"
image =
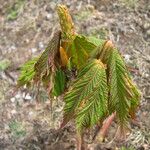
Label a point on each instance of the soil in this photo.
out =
(25, 29)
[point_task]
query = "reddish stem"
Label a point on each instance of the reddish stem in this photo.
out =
(80, 142)
(106, 125)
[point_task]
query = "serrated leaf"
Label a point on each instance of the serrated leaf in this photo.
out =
(135, 99)
(79, 50)
(96, 41)
(47, 60)
(120, 92)
(98, 50)
(59, 82)
(27, 72)
(86, 101)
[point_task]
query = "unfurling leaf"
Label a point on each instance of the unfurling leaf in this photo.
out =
(66, 23)
(79, 50)
(86, 101)
(63, 57)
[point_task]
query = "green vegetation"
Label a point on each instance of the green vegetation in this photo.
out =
(89, 72)
(17, 129)
(130, 3)
(13, 11)
(4, 64)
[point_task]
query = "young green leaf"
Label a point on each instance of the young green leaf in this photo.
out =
(79, 50)
(66, 23)
(120, 93)
(97, 42)
(86, 101)
(27, 72)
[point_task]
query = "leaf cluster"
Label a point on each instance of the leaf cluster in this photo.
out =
(101, 83)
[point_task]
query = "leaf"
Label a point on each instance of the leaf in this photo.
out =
(59, 82)
(86, 101)
(66, 24)
(98, 50)
(119, 89)
(27, 72)
(135, 99)
(97, 42)
(79, 50)
(47, 60)
(63, 57)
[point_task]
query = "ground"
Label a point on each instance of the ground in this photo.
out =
(25, 29)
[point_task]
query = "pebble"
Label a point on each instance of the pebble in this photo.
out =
(12, 99)
(13, 47)
(148, 32)
(13, 112)
(28, 97)
(41, 45)
(33, 50)
(48, 16)
(146, 26)
(23, 94)
(146, 75)
(31, 113)
(127, 57)
(27, 41)
(18, 96)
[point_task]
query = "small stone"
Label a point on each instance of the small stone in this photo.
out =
(18, 96)
(41, 45)
(27, 40)
(28, 97)
(13, 47)
(146, 75)
(148, 32)
(48, 16)
(146, 25)
(23, 94)
(13, 112)
(127, 57)
(33, 50)
(30, 113)
(12, 99)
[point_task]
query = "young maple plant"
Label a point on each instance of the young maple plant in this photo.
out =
(90, 73)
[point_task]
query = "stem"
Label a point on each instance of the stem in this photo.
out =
(106, 125)
(80, 142)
